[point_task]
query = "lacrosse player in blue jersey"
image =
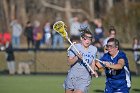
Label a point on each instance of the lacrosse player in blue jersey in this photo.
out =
(79, 76)
(116, 66)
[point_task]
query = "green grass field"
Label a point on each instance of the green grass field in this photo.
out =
(50, 84)
(48, 62)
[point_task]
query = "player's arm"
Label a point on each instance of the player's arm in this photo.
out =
(117, 66)
(94, 68)
(72, 60)
(98, 64)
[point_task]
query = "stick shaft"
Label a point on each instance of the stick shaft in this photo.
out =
(99, 60)
(79, 53)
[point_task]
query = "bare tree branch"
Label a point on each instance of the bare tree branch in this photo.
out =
(52, 6)
(81, 11)
(64, 9)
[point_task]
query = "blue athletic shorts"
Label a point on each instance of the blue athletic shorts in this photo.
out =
(109, 89)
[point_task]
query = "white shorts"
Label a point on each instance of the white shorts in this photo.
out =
(77, 83)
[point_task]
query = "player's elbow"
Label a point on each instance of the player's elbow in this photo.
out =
(70, 62)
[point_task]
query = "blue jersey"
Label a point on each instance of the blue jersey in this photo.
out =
(117, 79)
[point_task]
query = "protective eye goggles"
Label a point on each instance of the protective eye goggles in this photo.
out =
(87, 37)
(110, 46)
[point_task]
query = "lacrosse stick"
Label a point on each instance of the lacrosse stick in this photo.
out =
(71, 46)
(101, 62)
(60, 27)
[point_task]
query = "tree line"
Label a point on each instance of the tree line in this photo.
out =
(123, 14)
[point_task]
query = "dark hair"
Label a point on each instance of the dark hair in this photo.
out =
(112, 28)
(116, 42)
(28, 22)
(85, 31)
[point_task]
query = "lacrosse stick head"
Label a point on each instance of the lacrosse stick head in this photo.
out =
(60, 27)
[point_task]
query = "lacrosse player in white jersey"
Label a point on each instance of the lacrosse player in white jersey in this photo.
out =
(79, 75)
